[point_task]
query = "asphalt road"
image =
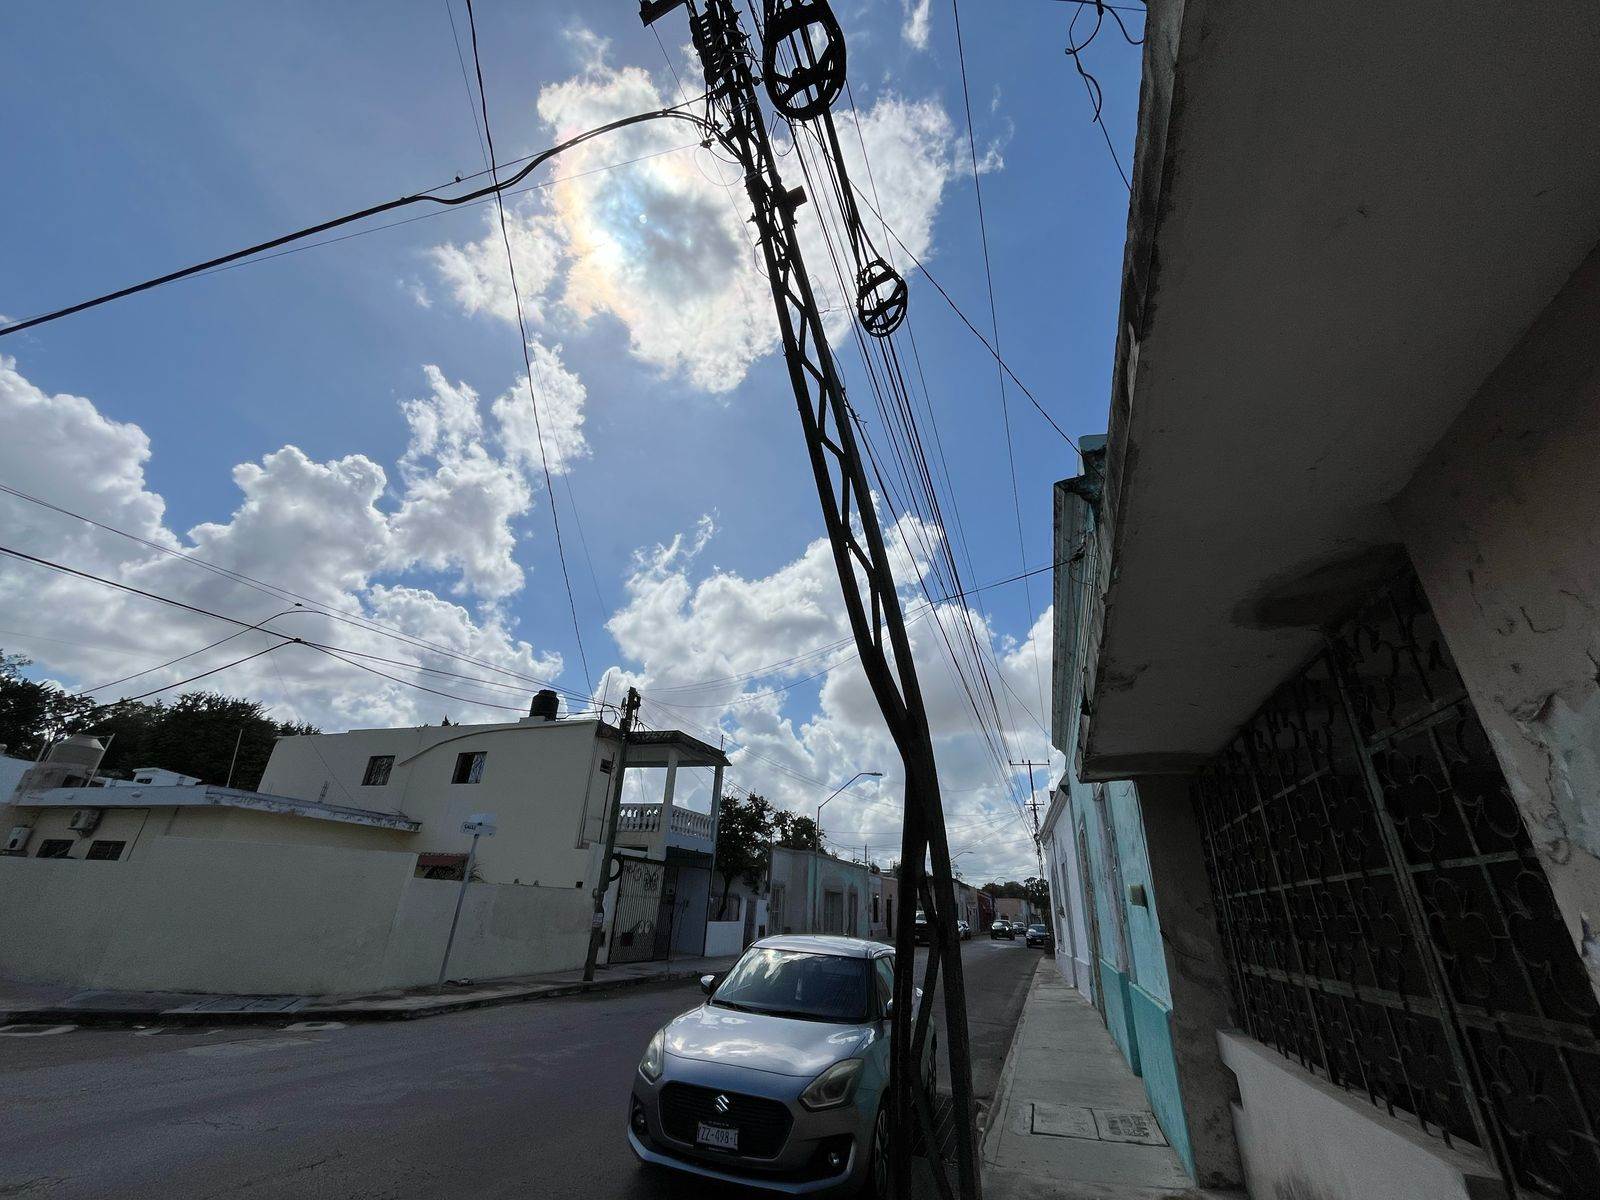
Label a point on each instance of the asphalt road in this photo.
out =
(521, 1101)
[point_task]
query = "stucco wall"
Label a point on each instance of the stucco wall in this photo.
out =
(1304, 1139)
(541, 781)
(1503, 524)
(215, 916)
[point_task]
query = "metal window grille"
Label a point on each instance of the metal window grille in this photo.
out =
(378, 768)
(105, 851)
(1386, 919)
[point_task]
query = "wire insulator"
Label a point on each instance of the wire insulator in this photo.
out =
(881, 298)
(815, 42)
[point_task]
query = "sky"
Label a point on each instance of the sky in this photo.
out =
(350, 423)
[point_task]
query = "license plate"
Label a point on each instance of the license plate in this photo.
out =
(720, 1137)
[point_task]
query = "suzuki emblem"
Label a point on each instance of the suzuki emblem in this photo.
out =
(722, 1104)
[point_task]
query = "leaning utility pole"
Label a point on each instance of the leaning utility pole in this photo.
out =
(597, 923)
(1033, 806)
(802, 89)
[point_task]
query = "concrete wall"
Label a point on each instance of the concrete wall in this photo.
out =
(1304, 1139)
(724, 937)
(541, 780)
(1503, 524)
(213, 916)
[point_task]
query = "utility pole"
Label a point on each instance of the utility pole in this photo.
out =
(1033, 807)
(597, 923)
(802, 64)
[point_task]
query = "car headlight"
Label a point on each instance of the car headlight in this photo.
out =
(654, 1056)
(834, 1086)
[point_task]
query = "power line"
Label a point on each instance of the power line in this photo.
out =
(994, 324)
(527, 360)
(278, 592)
(495, 188)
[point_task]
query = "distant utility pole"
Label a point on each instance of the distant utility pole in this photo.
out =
(1033, 806)
(597, 923)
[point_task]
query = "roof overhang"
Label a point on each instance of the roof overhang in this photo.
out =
(172, 796)
(1343, 219)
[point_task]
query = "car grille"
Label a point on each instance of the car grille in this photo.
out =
(763, 1124)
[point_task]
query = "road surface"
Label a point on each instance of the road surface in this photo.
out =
(526, 1100)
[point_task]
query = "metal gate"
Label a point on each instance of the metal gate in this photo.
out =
(1386, 920)
(633, 928)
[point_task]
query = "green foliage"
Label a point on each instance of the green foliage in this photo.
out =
(744, 830)
(797, 833)
(194, 735)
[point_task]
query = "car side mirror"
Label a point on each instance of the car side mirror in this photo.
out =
(888, 1010)
(708, 984)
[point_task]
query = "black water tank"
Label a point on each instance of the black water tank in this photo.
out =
(546, 704)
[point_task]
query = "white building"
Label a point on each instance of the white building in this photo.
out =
(340, 874)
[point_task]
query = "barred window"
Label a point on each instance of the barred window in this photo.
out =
(469, 767)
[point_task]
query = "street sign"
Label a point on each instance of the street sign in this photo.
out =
(479, 824)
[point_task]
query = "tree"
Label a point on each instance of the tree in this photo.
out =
(1036, 892)
(196, 734)
(32, 715)
(744, 833)
(796, 832)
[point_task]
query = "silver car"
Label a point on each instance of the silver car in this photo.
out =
(779, 1080)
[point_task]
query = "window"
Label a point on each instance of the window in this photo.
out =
(791, 983)
(885, 976)
(104, 851)
(469, 767)
(55, 848)
(378, 768)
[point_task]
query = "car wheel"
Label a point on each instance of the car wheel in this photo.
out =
(878, 1170)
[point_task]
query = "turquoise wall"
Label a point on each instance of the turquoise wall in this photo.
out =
(1119, 1018)
(1152, 1025)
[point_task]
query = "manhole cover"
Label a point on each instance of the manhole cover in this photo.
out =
(1059, 1120)
(1128, 1125)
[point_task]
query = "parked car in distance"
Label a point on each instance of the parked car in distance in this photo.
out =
(778, 1080)
(1040, 935)
(919, 927)
(1002, 929)
(964, 930)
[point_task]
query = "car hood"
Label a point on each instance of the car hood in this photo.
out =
(782, 1045)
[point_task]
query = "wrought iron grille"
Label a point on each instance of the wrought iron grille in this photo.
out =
(1386, 920)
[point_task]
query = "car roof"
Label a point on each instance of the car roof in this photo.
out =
(840, 947)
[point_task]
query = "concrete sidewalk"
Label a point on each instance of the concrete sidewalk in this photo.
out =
(25, 1003)
(1070, 1119)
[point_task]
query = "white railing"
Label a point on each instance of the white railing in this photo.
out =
(693, 824)
(639, 818)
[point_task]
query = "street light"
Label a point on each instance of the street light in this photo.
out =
(847, 783)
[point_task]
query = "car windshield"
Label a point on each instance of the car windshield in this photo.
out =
(791, 983)
(1035, 928)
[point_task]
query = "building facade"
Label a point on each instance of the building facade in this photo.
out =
(812, 891)
(341, 873)
(1342, 628)
(1104, 910)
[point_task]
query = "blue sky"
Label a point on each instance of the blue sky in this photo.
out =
(143, 139)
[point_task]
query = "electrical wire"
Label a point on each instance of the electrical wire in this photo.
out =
(527, 360)
(994, 324)
(496, 187)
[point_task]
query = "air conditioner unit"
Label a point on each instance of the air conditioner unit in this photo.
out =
(84, 819)
(17, 839)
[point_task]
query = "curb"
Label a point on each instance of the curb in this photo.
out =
(354, 1012)
(1008, 1069)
